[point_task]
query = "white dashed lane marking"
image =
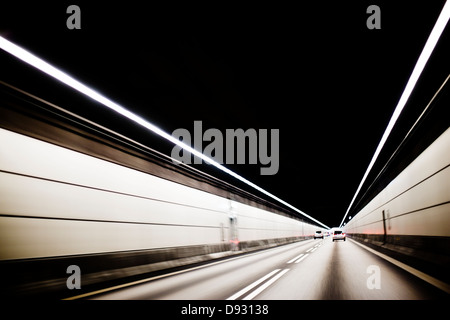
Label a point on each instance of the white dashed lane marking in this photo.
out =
(256, 283)
(297, 257)
(267, 280)
(302, 258)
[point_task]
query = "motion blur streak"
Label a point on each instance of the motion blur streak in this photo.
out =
(45, 67)
(420, 65)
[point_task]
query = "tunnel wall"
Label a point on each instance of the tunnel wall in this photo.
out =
(59, 202)
(61, 207)
(412, 214)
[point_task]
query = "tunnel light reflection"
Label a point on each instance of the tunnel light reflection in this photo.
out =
(435, 34)
(47, 68)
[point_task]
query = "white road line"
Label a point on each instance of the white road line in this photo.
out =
(292, 260)
(265, 285)
(252, 285)
(313, 249)
(431, 280)
(309, 249)
(302, 258)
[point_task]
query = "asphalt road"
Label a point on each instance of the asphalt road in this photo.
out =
(312, 269)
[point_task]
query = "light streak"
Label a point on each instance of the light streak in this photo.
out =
(433, 38)
(65, 78)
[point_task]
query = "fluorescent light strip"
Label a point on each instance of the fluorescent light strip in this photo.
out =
(45, 67)
(417, 71)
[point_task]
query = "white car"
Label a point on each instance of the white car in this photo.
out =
(338, 235)
(318, 234)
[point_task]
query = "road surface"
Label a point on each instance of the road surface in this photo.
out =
(307, 270)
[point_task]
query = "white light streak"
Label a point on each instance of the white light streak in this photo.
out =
(47, 68)
(435, 34)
